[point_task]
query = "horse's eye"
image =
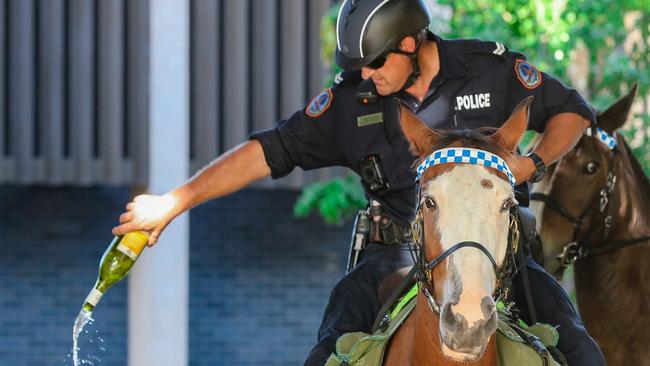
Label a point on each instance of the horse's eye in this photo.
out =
(591, 167)
(508, 204)
(430, 203)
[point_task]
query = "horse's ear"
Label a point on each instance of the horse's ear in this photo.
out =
(615, 116)
(420, 137)
(509, 135)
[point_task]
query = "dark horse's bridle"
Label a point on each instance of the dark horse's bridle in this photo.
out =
(577, 249)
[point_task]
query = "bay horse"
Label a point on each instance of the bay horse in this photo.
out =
(593, 208)
(464, 220)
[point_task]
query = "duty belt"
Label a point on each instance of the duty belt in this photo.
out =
(374, 225)
(385, 230)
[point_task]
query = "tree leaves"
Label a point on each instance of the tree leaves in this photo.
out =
(335, 199)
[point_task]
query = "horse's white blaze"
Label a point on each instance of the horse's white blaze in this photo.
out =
(468, 211)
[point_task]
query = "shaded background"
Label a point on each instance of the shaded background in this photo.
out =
(259, 279)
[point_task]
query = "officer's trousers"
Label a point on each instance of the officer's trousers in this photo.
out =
(353, 306)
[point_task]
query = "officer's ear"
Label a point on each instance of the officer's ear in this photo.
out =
(615, 116)
(408, 44)
(420, 137)
(509, 135)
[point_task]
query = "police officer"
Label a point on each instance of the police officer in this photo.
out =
(460, 84)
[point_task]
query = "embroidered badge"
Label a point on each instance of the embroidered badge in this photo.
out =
(528, 74)
(473, 101)
(319, 104)
(370, 119)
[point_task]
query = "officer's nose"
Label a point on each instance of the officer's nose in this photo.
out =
(367, 73)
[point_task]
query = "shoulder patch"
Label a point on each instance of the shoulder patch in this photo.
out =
(528, 75)
(319, 104)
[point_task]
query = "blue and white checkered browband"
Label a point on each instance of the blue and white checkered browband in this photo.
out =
(468, 156)
(604, 137)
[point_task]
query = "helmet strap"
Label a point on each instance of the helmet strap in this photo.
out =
(415, 65)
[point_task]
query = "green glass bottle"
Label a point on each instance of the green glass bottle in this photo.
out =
(116, 264)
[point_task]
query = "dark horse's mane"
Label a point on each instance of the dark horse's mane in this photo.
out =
(636, 167)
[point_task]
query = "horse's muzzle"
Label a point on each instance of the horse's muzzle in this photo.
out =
(467, 343)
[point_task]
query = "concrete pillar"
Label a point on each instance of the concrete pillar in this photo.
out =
(158, 286)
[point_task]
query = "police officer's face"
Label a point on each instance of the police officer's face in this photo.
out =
(390, 77)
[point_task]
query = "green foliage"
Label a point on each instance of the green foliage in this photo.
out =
(335, 199)
(328, 42)
(613, 33)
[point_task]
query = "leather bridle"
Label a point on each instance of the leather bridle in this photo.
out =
(424, 269)
(577, 249)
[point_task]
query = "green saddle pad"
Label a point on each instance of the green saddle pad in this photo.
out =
(517, 344)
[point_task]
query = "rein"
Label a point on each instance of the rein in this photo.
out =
(424, 269)
(577, 249)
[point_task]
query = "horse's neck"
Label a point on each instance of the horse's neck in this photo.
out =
(427, 344)
(612, 273)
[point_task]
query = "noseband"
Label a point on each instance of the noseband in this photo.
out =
(577, 249)
(425, 269)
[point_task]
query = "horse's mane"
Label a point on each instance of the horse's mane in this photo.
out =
(636, 167)
(478, 139)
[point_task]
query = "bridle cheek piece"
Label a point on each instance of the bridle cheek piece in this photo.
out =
(424, 269)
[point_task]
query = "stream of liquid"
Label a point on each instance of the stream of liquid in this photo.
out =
(82, 319)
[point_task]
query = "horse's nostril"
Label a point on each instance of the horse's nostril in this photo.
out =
(449, 319)
(487, 306)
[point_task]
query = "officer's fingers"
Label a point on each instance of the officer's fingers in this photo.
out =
(153, 238)
(125, 228)
(126, 217)
(130, 206)
(155, 233)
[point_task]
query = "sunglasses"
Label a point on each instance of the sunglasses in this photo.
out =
(381, 59)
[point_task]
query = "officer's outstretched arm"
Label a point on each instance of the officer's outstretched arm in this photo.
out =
(230, 172)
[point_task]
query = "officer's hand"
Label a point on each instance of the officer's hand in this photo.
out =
(522, 167)
(149, 213)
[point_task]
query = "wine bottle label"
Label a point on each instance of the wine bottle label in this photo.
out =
(127, 251)
(135, 241)
(94, 296)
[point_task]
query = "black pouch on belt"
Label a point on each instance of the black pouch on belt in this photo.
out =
(372, 174)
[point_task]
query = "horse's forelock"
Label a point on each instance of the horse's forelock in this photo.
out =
(477, 139)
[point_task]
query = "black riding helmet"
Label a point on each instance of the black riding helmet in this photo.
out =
(367, 29)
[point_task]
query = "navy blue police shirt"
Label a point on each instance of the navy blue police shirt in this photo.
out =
(479, 85)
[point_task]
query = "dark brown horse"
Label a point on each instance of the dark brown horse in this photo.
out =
(594, 206)
(462, 264)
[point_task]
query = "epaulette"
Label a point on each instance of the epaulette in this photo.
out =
(479, 46)
(347, 77)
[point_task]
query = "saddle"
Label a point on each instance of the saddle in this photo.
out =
(517, 343)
